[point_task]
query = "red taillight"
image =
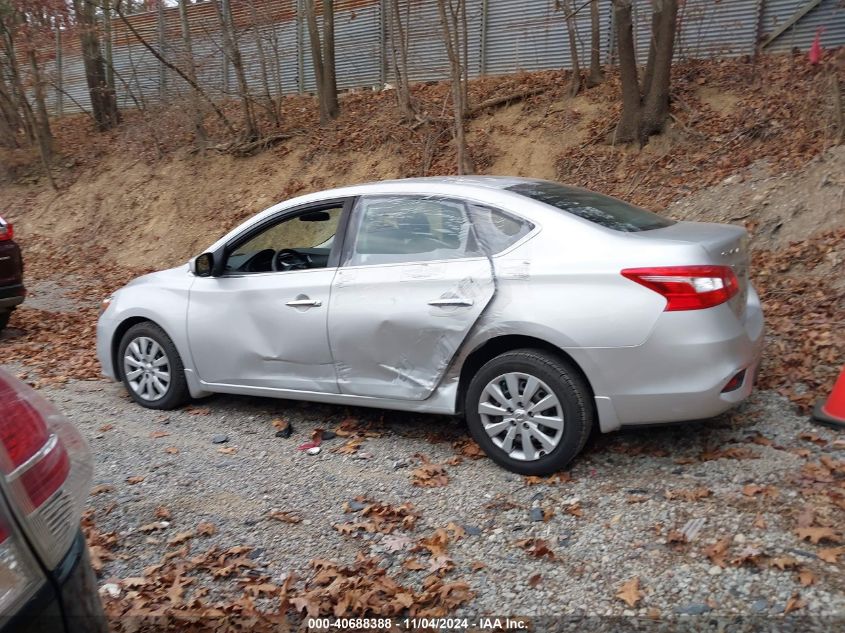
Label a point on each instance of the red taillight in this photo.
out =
(22, 429)
(47, 475)
(6, 231)
(688, 287)
(46, 466)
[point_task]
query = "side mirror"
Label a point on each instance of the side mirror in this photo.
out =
(204, 265)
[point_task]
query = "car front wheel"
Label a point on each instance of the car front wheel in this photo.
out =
(151, 368)
(530, 411)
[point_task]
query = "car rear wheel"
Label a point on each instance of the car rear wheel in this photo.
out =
(530, 411)
(151, 368)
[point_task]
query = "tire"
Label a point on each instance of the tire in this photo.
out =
(555, 383)
(5, 315)
(155, 355)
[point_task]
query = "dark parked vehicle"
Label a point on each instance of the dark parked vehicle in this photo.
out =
(46, 581)
(12, 290)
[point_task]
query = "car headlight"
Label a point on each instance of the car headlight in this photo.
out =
(105, 303)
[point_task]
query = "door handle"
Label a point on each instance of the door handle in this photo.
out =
(304, 303)
(453, 301)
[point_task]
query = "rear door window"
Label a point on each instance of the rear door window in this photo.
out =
(399, 229)
(602, 210)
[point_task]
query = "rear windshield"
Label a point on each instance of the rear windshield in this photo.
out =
(603, 210)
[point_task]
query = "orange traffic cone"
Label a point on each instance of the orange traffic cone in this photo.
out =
(832, 412)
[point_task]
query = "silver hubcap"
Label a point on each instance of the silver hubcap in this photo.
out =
(521, 415)
(147, 368)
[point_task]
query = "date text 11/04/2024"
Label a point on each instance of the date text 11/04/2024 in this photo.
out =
(415, 624)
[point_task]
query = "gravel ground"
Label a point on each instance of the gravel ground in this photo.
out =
(612, 522)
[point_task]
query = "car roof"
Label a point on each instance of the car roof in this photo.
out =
(431, 183)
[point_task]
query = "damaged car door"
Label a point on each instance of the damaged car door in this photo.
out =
(413, 282)
(262, 322)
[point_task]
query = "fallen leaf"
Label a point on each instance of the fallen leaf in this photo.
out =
(806, 577)
(172, 450)
(157, 434)
(716, 552)
(162, 513)
(106, 427)
(784, 562)
(817, 534)
(206, 529)
(136, 479)
(476, 565)
(412, 564)
(534, 580)
(793, 604)
(284, 517)
(831, 554)
(180, 538)
(228, 450)
(101, 489)
(630, 592)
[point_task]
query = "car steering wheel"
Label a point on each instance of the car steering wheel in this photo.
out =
(289, 259)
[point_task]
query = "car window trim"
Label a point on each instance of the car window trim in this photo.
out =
(345, 203)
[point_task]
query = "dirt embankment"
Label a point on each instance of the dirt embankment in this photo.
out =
(147, 201)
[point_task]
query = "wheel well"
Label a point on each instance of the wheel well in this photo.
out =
(118, 336)
(500, 345)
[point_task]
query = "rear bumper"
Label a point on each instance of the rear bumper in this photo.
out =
(67, 603)
(679, 373)
(11, 296)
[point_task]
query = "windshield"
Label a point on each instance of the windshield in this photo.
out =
(602, 210)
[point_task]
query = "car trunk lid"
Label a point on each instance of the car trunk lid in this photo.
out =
(724, 245)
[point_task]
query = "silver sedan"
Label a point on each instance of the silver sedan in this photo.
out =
(538, 311)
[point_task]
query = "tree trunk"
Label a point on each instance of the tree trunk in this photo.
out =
(42, 119)
(648, 74)
(656, 101)
(596, 75)
(453, 33)
(322, 55)
(329, 75)
(575, 80)
(233, 53)
(103, 102)
(109, 56)
(399, 51)
(200, 134)
(10, 118)
(627, 130)
(262, 64)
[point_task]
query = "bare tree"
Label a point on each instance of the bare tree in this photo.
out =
(322, 54)
(453, 21)
(200, 134)
(103, 100)
(37, 125)
(191, 82)
(398, 34)
(575, 81)
(233, 53)
(596, 75)
(645, 112)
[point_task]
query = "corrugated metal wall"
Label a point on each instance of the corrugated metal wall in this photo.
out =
(504, 36)
(829, 14)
